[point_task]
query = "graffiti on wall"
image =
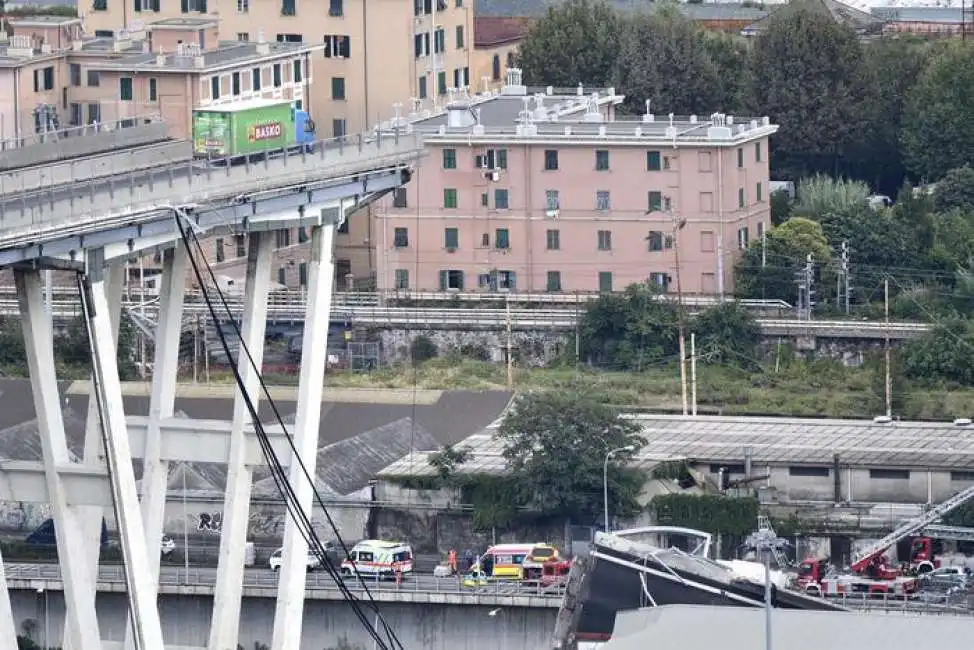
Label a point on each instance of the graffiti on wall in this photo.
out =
(210, 522)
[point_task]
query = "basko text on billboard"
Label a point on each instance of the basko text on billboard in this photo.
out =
(269, 131)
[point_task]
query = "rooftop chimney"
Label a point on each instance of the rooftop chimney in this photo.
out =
(514, 85)
(263, 47)
(458, 113)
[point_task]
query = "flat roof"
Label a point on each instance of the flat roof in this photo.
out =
(245, 104)
(226, 55)
(772, 441)
(43, 21)
(182, 22)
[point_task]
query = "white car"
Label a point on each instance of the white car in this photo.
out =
(167, 546)
(275, 562)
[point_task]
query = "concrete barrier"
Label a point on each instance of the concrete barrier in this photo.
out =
(73, 143)
(98, 166)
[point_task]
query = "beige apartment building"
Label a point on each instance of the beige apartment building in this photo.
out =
(375, 52)
(551, 191)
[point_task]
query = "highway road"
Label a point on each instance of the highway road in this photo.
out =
(260, 577)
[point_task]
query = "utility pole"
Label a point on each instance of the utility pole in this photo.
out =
(842, 280)
(889, 381)
(677, 226)
(196, 351)
(805, 278)
(693, 372)
(510, 351)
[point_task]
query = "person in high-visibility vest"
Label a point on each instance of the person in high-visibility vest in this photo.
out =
(452, 561)
(398, 572)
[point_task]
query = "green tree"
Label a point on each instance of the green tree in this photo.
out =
(942, 354)
(728, 334)
(663, 58)
(785, 250)
(555, 444)
(807, 71)
(937, 135)
(955, 190)
(631, 330)
(876, 238)
(729, 55)
(820, 195)
(781, 207)
(574, 42)
(893, 65)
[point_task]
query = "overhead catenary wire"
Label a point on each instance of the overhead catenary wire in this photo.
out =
(301, 519)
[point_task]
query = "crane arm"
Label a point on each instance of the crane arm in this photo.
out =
(864, 557)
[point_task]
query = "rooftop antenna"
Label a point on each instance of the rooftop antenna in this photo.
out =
(526, 113)
(648, 103)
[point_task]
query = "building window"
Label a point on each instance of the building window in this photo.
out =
(553, 240)
(602, 202)
(401, 238)
(728, 469)
(94, 79)
(220, 253)
(492, 159)
(760, 230)
(337, 46)
(283, 237)
(740, 158)
(338, 88)
(297, 71)
(495, 68)
(277, 77)
(338, 127)
(741, 198)
(243, 37)
(422, 94)
(342, 230)
(742, 239)
(75, 74)
(399, 197)
(602, 160)
(75, 116)
(757, 152)
(707, 241)
(451, 280)
(240, 245)
(551, 200)
(502, 239)
(45, 80)
(505, 280)
(962, 476)
(451, 238)
(255, 79)
(605, 281)
(125, 89)
(654, 161)
(153, 89)
(235, 84)
(554, 281)
(336, 8)
(551, 160)
(402, 278)
(441, 82)
(215, 87)
(94, 113)
(449, 159)
(449, 198)
(459, 37)
(187, 6)
(501, 199)
(659, 241)
(661, 280)
(896, 474)
(303, 274)
(758, 193)
(655, 201)
(439, 41)
(99, 5)
(243, 6)
(282, 276)
(810, 472)
(605, 240)
(288, 7)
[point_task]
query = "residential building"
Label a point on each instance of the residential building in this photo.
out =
(554, 192)
(926, 21)
(375, 54)
(496, 39)
(53, 77)
(863, 23)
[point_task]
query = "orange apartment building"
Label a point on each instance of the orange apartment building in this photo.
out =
(374, 53)
(551, 191)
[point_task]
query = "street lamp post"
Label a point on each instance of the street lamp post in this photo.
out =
(605, 479)
(766, 542)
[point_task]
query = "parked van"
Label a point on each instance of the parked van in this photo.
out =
(517, 561)
(378, 558)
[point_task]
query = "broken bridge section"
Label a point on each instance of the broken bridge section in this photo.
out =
(95, 230)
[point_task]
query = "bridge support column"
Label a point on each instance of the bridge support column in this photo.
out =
(162, 404)
(290, 590)
(39, 343)
(94, 453)
(225, 624)
(8, 629)
(139, 581)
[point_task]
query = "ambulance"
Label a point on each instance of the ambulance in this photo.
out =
(378, 559)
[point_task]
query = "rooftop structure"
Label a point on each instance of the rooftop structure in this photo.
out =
(549, 190)
(862, 22)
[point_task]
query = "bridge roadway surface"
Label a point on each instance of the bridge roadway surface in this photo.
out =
(228, 192)
(200, 581)
(292, 311)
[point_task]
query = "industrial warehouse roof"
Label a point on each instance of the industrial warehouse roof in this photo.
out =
(776, 441)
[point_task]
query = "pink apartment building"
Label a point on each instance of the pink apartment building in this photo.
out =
(553, 192)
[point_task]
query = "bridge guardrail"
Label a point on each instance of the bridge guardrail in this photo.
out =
(200, 577)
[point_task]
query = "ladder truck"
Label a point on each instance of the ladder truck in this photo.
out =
(870, 565)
